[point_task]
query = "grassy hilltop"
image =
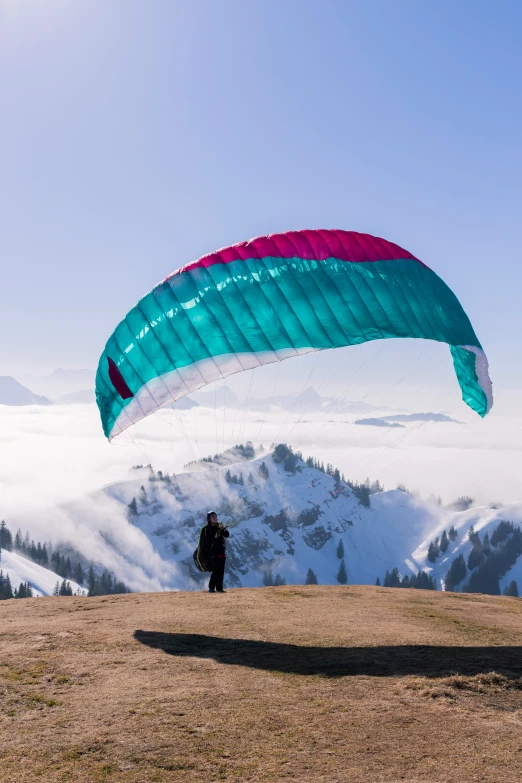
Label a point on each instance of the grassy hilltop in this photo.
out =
(306, 684)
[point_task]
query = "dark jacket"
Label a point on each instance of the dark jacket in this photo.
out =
(212, 541)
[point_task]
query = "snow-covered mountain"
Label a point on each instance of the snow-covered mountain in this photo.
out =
(378, 422)
(308, 401)
(42, 581)
(396, 419)
(286, 517)
(13, 393)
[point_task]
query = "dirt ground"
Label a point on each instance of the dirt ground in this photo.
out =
(307, 684)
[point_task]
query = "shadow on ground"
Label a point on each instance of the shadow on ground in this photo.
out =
(385, 661)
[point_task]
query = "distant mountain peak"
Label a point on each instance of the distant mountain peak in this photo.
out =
(395, 420)
(309, 401)
(13, 393)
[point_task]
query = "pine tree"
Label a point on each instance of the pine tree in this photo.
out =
(63, 567)
(268, 579)
(452, 533)
(91, 581)
(18, 541)
(511, 589)
(476, 556)
(364, 496)
(422, 581)
(342, 576)
(377, 582)
(433, 552)
(263, 471)
(132, 512)
(6, 591)
(340, 549)
(484, 579)
(311, 578)
(456, 573)
(60, 565)
(444, 542)
(279, 581)
(56, 589)
(45, 556)
(106, 583)
(6, 539)
(462, 503)
(395, 578)
(24, 591)
(119, 587)
(79, 575)
(501, 533)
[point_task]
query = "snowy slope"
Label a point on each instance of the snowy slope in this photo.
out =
(291, 522)
(484, 520)
(41, 579)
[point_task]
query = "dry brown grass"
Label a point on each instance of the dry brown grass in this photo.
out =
(308, 684)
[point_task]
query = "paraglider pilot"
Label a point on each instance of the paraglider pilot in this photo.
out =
(213, 550)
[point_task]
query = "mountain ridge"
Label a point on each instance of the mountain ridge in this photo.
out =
(287, 517)
(13, 393)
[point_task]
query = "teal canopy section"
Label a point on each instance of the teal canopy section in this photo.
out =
(210, 321)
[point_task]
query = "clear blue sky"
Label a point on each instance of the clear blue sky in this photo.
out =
(136, 136)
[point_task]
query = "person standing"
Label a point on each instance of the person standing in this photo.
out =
(212, 547)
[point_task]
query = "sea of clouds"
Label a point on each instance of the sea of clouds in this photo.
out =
(57, 453)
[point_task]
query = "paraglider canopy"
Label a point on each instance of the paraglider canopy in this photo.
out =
(272, 298)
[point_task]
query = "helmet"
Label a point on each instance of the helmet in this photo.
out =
(209, 514)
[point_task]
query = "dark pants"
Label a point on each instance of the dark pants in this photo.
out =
(218, 572)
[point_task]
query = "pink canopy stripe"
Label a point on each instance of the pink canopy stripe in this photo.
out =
(310, 245)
